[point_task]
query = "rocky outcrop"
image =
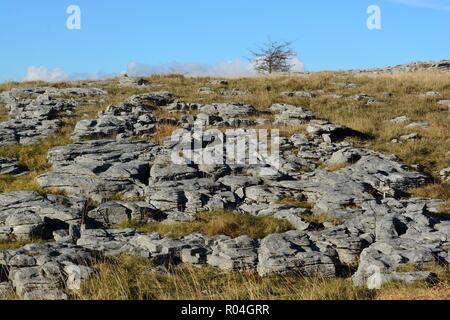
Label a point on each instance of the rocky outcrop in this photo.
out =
(100, 169)
(30, 215)
(41, 272)
(291, 115)
(296, 253)
(113, 213)
(134, 118)
(112, 176)
(425, 66)
(36, 113)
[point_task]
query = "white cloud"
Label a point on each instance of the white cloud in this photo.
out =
(91, 76)
(230, 68)
(227, 68)
(45, 74)
(58, 74)
(441, 5)
(297, 65)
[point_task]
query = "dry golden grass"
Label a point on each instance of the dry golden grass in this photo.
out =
(32, 156)
(296, 203)
(4, 116)
(335, 167)
(437, 190)
(127, 278)
(26, 182)
(419, 290)
(309, 217)
(321, 218)
(11, 245)
(423, 292)
(285, 131)
(216, 223)
(162, 132)
(131, 278)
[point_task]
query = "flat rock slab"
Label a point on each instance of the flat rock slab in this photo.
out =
(27, 215)
(10, 166)
(41, 272)
(130, 119)
(234, 254)
(113, 213)
(19, 93)
(35, 113)
(295, 253)
(100, 169)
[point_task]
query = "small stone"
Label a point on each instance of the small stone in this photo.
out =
(418, 125)
(377, 280)
(409, 137)
(400, 120)
(445, 174)
(445, 104)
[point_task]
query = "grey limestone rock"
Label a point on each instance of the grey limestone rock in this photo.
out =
(234, 254)
(295, 252)
(9, 166)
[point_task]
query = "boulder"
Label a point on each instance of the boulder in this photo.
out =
(234, 254)
(28, 215)
(227, 111)
(295, 252)
(118, 212)
(39, 271)
(100, 169)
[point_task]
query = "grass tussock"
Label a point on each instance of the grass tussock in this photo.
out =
(34, 157)
(162, 132)
(3, 113)
(321, 219)
(128, 278)
(215, 223)
(419, 290)
(296, 203)
(335, 167)
(415, 292)
(12, 245)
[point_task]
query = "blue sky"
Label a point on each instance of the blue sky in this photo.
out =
(141, 36)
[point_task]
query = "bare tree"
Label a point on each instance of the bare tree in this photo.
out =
(273, 57)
